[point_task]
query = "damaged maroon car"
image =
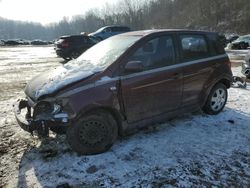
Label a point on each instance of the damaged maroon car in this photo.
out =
(126, 82)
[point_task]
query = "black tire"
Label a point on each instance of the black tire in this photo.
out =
(75, 54)
(243, 46)
(216, 100)
(66, 58)
(93, 133)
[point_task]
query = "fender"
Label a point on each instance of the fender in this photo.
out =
(224, 78)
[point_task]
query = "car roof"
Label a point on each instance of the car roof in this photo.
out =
(69, 36)
(245, 36)
(153, 31)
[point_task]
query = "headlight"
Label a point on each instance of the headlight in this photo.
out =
(45, 107)
(56, 109)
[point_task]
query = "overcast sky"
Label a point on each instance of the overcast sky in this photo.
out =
(46, 11)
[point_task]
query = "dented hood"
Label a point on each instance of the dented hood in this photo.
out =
(54, 80)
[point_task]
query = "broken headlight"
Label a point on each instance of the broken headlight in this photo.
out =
(45, 107)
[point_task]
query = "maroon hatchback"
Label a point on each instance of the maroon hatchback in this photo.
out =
(126, 82)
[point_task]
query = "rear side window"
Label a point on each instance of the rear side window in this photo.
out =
(194, 47)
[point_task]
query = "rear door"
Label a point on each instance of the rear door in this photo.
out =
(158, 88)
(197, 65)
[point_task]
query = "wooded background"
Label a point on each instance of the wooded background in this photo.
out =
(226, 16)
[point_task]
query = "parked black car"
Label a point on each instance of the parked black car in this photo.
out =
(12, 42)
(71, 47)
(246, 66)
(39, 42)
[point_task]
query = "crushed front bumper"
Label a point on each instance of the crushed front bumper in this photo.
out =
(23, 115)
(23, 121)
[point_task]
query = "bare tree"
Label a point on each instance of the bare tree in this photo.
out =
(223, 16)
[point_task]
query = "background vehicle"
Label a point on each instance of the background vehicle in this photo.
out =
(231, 37)
(134, 80)
(39, 42)
(13, 42)
(108, 31)
(2, 42)
(246, 66)
(243, 42)
(72, 46)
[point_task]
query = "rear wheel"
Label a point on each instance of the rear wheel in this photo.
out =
(93, 133)
(66, 58)
(75, 54)
(216, 100)
(243, 46)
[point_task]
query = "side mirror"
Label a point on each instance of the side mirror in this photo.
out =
(134, 66)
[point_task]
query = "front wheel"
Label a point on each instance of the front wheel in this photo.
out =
(93, 133)
(216, 100)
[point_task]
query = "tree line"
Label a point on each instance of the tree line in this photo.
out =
(226, 16)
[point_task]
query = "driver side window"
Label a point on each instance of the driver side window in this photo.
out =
(156, 53)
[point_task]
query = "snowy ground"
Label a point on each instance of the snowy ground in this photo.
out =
(191, 151)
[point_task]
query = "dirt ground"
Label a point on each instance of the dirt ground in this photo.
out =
(195, 150)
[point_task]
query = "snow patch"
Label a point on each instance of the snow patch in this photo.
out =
(65, 75)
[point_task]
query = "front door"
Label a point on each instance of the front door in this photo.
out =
(158, 88)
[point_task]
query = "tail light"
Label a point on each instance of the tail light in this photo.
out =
(65, 44)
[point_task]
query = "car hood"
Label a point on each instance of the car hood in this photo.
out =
(236, 42)
(54, 80)
(94, 33)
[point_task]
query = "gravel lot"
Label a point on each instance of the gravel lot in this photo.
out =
(194, 150)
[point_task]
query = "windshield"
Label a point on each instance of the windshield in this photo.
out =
(100, 30)
(103, 54)
(242, 38)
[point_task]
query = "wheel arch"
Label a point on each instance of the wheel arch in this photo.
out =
(205, 94)
(114, 112)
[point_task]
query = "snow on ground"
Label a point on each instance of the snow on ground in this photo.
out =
(194, 150)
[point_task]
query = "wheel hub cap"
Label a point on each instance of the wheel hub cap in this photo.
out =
(92, 132)
(218, 99)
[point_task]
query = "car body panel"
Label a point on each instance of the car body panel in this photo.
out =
(151, 93)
